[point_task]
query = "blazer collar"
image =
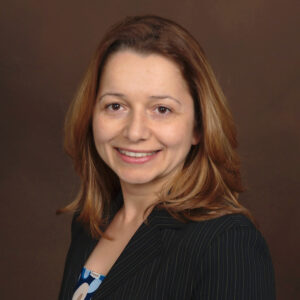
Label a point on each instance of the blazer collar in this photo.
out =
(143, 247)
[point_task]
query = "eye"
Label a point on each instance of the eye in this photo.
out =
(163, 110)
(113, 106)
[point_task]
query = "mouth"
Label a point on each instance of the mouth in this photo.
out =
(136, 153)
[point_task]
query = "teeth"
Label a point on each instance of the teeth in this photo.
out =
(136, 154)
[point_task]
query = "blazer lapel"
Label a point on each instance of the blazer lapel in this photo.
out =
(144, 246)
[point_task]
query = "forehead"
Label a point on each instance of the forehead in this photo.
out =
(128, 68)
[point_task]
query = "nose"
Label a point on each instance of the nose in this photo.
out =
(136, 128)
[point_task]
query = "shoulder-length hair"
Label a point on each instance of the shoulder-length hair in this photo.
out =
(209, 183)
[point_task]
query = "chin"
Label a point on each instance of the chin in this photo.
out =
(136, 179)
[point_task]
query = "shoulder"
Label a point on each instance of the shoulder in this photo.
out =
(218, 226)
(78, 230)
(76, 226)
(232, 259)
(224, 233)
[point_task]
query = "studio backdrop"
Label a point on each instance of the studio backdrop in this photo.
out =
(253, 46)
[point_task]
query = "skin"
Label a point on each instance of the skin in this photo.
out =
(143, 105)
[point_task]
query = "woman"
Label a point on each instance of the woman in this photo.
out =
(157, 215)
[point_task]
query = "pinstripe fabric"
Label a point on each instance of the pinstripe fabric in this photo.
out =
(225, 258)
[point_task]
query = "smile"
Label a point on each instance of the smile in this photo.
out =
(136, 157)
(136, 154)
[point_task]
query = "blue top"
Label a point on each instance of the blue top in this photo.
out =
(88, 282)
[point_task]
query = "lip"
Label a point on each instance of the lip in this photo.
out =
(137, 151)
(137, 160)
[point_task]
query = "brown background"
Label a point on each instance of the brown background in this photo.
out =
(253, 46)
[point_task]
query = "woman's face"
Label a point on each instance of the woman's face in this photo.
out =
(143, 121)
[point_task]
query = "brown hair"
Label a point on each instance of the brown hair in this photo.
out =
(209, 183)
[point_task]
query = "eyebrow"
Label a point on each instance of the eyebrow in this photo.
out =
(112, 94)
(122, 96)
(165, 97)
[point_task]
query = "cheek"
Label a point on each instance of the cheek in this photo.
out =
(102, 132)
(177, 135)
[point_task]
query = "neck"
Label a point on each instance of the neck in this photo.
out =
(137, 198)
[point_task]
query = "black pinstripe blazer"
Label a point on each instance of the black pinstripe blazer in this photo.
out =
(225, 258)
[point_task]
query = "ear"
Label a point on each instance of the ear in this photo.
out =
(196, 136)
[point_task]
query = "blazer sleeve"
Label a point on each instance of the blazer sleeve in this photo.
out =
(75, 230)
(237, 265)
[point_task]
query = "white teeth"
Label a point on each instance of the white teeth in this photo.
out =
(136, 154)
